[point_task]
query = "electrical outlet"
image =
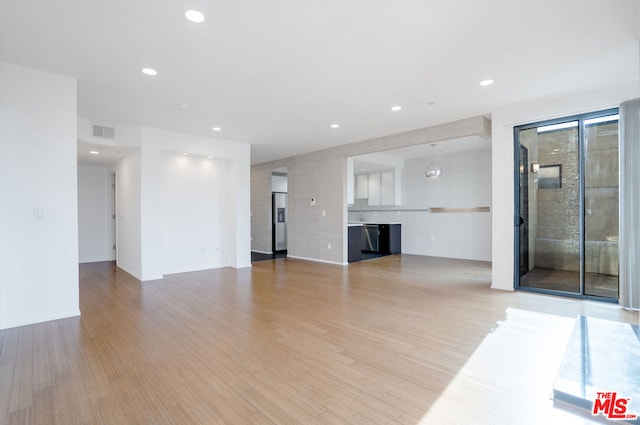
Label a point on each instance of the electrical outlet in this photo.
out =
(328, 246)
(324, 213)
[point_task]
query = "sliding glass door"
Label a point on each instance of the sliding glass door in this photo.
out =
(601, 209)
(567, 206)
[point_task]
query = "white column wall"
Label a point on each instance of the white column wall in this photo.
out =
(38, 197)
(128, 188)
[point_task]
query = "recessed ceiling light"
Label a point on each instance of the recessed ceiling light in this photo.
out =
(216, 129)
(334, 125)
(181, 106)
(149, 71)
(194, 16)
(94, 152)
(485, 83)
(210, 157)
(185, 153)
(396, 108)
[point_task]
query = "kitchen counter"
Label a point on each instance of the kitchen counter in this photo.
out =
(362, 223)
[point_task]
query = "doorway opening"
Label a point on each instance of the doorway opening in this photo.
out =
(279, 217)
(567, 206)
(279, 212)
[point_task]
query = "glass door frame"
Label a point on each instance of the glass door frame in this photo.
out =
(582, 152)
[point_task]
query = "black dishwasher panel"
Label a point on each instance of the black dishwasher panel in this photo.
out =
(370, 238)
(390, 238)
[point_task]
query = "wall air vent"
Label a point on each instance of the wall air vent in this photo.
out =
(103, 131)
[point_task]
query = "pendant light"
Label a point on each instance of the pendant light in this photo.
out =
(433, 170)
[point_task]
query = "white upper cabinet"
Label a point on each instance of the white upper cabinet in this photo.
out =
(374, 189)
(379, 188)
(387, 188)
(362, 186)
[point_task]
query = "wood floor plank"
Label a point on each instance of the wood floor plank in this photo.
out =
(387, 341)
(10, 344)
(43, 406)
(269, 405)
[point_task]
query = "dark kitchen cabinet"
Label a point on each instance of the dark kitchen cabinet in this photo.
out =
(390, 241)
(355, 243)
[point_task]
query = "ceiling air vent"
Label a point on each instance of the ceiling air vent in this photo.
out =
(103, 131)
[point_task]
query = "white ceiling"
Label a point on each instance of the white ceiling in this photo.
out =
(276, 73)
(107, 155)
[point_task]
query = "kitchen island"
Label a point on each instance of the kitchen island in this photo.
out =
(378, 239)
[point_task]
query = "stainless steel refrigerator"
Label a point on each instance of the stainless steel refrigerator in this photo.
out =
(279, 215)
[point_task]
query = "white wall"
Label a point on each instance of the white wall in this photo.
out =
(128, 233)
(503, 121)
(95, 207)
(235, 242)
(465, 182)
(279, 183)
(38, 256)
(193, 207)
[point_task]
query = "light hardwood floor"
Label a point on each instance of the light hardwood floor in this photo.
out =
(399, 339)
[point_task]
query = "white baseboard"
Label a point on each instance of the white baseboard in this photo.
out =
(502, 288)
(262, 252)
(25, 322)
(152, 277)
(128, 271)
